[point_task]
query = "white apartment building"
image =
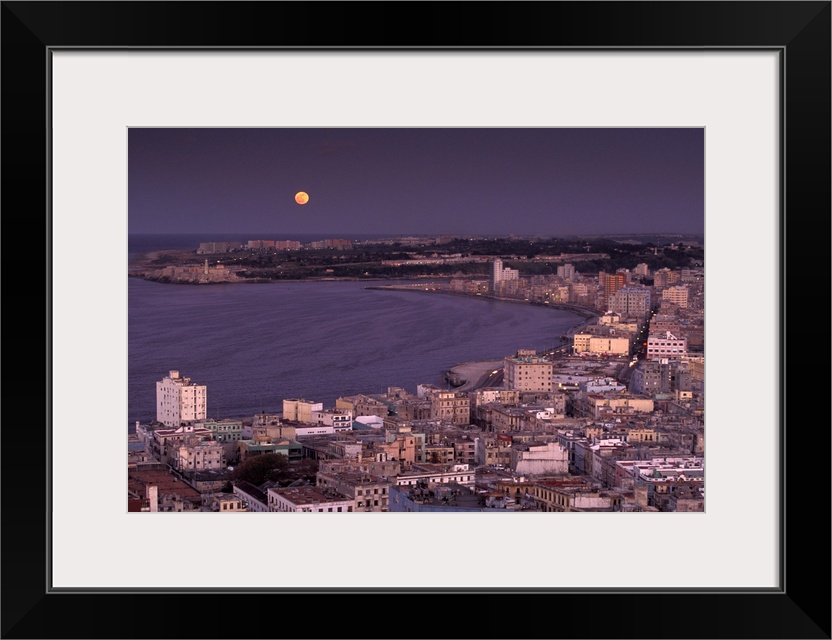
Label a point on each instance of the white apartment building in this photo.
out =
(179, 400)
(502, 274)
(526, 371)
(666, 345)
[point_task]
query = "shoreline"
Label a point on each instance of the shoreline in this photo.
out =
(588, 315)
(160, 280)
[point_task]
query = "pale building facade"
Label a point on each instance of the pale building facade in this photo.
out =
(309, 500)
(179, 400)
(602, 345)
(666, 345)
(370, 493)
(198, 456)
(677, 295)
(453, 406)
(526, 371)
(537, 459)
(435, 474)
(338, 419)
(300, 410)
(597, 405)
(580, 342)
(493, 450)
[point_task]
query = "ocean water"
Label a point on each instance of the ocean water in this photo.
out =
(254, 345)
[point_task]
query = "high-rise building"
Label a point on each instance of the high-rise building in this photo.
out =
(496, 274)
(179, 400)
(500, 275)
(566, 271)
(609, 283)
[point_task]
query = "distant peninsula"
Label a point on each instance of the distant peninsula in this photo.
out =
(403, 258)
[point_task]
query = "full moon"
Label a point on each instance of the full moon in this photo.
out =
(301, 197)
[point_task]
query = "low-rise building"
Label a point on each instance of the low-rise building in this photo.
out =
(601, 385)
(223, 503)
(432, 474)
(370, 493)
(300, 410)
(608, 345)
(164, 490)
(164, 442)
(539, 458)
(198, 456)
(439, 454)
(210, 481)
(493, 449)
(413, 408)
(661, 475)
(452, 406)
(253, 497)
(306, 429)
(609, 405)
(338, 419)
(666, 345)
(526, 371)
(379, 467)
(363, 405)
(449, 498)
(573, 494)
(309, 500)
(289, 448)
(225, 430)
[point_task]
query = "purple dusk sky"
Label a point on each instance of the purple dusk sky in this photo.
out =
(455, 181)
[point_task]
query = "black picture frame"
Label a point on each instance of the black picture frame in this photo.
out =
(799, 31)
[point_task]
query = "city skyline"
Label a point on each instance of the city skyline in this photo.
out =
(456, 181)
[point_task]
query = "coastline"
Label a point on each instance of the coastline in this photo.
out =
(142, 266)
(588, 315)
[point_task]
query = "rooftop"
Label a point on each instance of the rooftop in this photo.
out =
(309, 495)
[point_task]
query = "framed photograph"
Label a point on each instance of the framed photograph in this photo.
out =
(87, 84)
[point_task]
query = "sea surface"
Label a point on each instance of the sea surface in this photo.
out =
(254, 345)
